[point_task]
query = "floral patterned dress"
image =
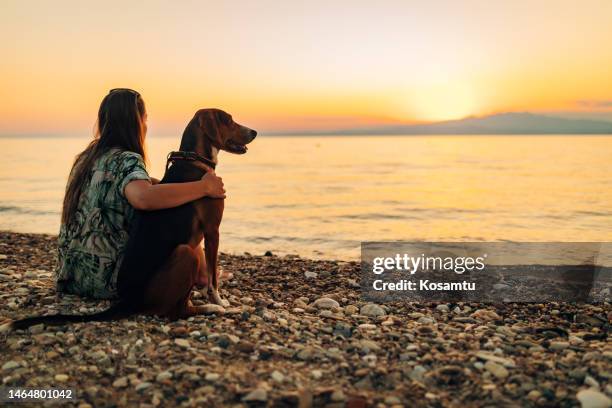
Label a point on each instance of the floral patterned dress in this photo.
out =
(91, 246)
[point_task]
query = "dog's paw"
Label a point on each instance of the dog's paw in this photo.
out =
(217, 299)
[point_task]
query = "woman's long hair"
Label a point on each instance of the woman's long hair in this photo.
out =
(120, 124)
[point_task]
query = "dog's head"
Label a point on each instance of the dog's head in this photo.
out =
(222, 132)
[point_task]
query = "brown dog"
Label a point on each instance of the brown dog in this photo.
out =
(161, 261)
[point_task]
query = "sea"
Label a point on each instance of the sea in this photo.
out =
(321, 196)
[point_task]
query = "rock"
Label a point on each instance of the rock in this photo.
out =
(368, 345)
(183, 343)
(337, 396)
(326, 303)
(372, 310)
(316, 374)
(353, 283)
(485, 314)
(163, 376)
(310, 275)
(277, 376)
(326, 313)
(121, 382)
(593, 399)
(351, 310)
(36, 329)
(143, 386)
(61, 377)
(212, 377)
(10, 365)
(591, 382)
(497, 370)
(212, 308)
(506, 362)
(245, 346)
(558, 345)
(392, 400)
(257, 395)
(443, 309)
(426, 320)
(268, 253)
(306, 354)
(418, 373)
(501, 286)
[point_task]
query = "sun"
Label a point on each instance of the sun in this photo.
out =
(442, 102)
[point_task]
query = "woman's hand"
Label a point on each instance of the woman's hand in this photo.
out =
(212, 184)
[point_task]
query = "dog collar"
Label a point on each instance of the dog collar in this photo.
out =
(188, 156)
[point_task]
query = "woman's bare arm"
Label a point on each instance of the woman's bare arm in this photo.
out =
(144, 195)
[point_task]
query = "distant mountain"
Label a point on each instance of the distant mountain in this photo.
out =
(514, 123)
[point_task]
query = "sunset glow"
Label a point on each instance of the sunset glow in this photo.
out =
(290, 66)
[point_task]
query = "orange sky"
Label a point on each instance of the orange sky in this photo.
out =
(302, 65)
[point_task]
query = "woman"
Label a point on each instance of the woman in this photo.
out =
(107, 182)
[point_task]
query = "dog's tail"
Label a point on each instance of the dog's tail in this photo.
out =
(116, 311)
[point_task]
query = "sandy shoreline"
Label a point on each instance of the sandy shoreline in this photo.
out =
(279, 344)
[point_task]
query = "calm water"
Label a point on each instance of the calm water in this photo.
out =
(321, 196)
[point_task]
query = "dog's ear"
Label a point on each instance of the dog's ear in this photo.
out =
(209, 123)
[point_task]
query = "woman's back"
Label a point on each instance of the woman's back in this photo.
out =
(92, 242)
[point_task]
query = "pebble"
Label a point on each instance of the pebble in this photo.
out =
(184, 343)
(337, 396)
(316, 374)
(121, 382)
(483, 355)
(326, 303)
(143, 386)
(257, 395)
(497, 370)
(275, 344)
(372, 310)
(10, 365)
(443, 308)
(163, 376)
(211, 377)
(418, 373)
(558, 345)
(277, 376)
(591, 398)
(310, 275)
(61, 377)
(426, 320)
(351, 310)
(485, 314)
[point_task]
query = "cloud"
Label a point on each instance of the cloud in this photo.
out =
(595, 103)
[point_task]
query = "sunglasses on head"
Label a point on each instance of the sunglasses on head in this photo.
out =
(133, 92)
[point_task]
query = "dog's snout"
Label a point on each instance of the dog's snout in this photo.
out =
(253, 133)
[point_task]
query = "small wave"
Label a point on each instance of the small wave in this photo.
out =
(375, 216)
(595, 213)
(26, 211)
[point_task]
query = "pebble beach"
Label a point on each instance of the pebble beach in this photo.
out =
(297, 333)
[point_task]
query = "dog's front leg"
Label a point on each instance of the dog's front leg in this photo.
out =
(211, 250)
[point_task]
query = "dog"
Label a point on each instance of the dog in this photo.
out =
(160, 265)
